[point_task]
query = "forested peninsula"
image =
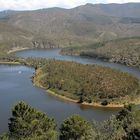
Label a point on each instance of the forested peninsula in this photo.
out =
(88, 84)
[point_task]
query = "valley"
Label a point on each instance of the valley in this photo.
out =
(57, 62)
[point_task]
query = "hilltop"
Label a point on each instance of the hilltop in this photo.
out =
(58, 27)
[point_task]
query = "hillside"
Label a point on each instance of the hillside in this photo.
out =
(12, 37)
(125, 51)
(86, 24)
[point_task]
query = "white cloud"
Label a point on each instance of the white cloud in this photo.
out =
(37, 4)
(121, 1)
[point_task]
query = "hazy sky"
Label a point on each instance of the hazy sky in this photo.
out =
(37, 4)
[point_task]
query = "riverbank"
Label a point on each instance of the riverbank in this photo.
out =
(17, 49)
(64, 81)
(84, 103)
(111, 105)
(10, 63)
(64, 98)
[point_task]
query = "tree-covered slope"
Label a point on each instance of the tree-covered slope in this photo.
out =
(125, 51)
(89, 83)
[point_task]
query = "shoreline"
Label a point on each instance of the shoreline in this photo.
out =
(72, 100)
(93, 104)
(84, 103)
(9, 63)
(17, 49)
(111, 105)
(104, 60)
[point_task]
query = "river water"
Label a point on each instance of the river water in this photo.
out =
(16, 85)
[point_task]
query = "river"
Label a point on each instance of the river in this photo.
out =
(16, 85)
(54, 54)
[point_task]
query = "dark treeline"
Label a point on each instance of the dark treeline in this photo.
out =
(27, 123)
(74, 50)
(89, 83)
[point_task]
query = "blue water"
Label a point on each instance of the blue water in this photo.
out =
(54, 54)
(16, 85)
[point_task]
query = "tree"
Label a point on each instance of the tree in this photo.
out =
(28, 124)
(104, 103)
(76, 128)
(109, 130)
(5, 136)
(130, 118)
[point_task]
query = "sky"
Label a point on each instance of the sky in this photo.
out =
(39, 4)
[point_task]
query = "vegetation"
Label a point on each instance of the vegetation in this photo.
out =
(125, 51)
(127, 20)
(4, 56)
(81, 26)
(78, 26)
(84, 25)
(111, 129)
(124, 126)
(87, 83)
(76, 128)
(30, 124)
(78, 50)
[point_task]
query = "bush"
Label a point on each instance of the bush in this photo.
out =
(104, 103)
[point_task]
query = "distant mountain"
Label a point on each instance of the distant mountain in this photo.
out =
(6, 14)
(116, 10)
(86, 24)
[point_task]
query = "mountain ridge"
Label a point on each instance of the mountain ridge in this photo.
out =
(85, 24)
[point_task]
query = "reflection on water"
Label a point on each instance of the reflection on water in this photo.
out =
(83, 107)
